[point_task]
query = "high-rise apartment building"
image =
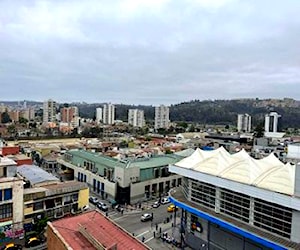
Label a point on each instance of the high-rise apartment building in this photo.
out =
(271, 122)
(68, 114)
(161, 117)
(108, 113)
(244, 123)
(99, 115)
(49, 111)
(136, 118)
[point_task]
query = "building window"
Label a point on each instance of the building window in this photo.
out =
(84, 178)
(273, 217)
(38, 205)
(204, 194)
(6, 211)
(235, 204)
(7, 194)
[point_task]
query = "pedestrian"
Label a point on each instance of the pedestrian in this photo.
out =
(156, 226)
(143, 238)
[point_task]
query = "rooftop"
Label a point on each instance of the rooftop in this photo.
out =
(75, 229)
(154, 161)
(35, 175)
(267, 173)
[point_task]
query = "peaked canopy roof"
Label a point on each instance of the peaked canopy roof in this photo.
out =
(268, 173)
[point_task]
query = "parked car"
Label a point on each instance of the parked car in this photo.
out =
(102, 206)
(12, 246)
(172, 208)
(93, 200)
(156, 204)
(146, 217)
(32, 242)
(165, 200)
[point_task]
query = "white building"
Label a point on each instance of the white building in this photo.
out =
(233, 201)
(244, 123)
(49, 111)
(108, 113)
(11, 199)
(99, 115)
(136, 118)
(271, 122)
(161, 117)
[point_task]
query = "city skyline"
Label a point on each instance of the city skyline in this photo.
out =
(148, 52)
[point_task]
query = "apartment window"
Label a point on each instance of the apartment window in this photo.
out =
(6, 211)
(273, 217)
(38, 205)
(7, 194)
(0, 195)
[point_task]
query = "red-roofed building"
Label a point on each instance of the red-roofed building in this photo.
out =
(90, 230)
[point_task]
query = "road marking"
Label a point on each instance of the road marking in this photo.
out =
(143, 233)
(112, 214)
(149, 239)
(124, 216)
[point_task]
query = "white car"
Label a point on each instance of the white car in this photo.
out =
(165, 200)
(146, 217)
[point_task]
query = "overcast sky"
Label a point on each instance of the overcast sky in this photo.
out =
(148, 51)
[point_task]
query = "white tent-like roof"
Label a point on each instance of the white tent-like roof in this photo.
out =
(268, 173)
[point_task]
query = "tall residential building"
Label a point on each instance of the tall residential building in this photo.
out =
(271, 122)
(161, 117)
(136, 118)
(99, 115)
(244, 123)
(49, 111)
(68, 114)
(108, 113)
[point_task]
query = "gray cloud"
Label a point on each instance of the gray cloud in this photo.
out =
(149, 52)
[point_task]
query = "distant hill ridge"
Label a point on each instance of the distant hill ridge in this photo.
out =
(207, 111)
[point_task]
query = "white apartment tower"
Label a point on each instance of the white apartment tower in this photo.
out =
(271, 122)
(161, 117)
(49, 111)
(244, 123)
(108, 113)
(136, 118)
(99, 115)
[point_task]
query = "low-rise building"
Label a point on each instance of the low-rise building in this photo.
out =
(237, 202)
(46, 196)
(90, 230)
(11, 201)
(124, 181)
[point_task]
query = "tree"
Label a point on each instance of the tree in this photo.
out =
(5, 118)
(259, 130)
(23, 120)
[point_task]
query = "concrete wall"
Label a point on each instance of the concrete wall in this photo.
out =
(54, 240)
(17, 197)
(125, 176)
(295, 235)
(83, 198)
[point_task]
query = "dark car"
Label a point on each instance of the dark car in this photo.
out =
(93, 200)
(146, 217)
(12, 246)
(156, 204)
(33, 242)
(102, 206)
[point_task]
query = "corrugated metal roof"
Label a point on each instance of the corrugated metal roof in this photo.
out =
(35, 175)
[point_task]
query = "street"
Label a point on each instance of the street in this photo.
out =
(130, 220)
